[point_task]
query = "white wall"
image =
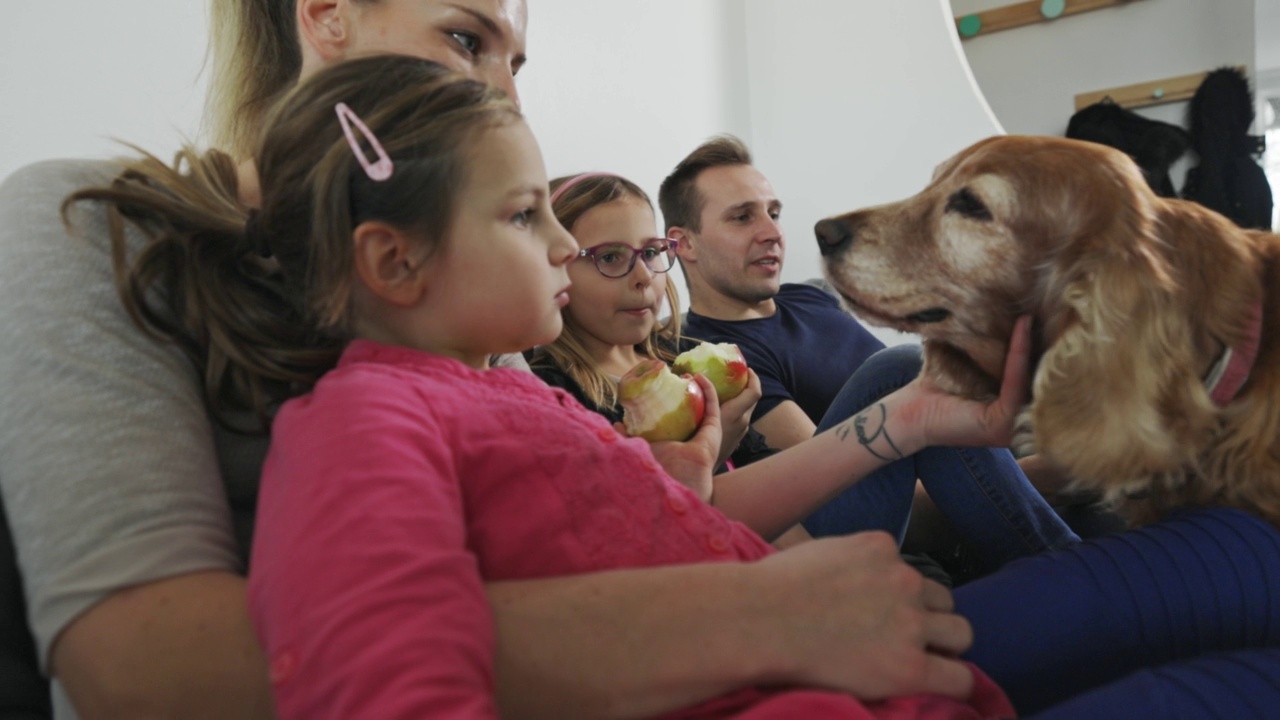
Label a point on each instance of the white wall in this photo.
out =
(1267, 34)
(1031, 75)
(74, 75)
(630, 88)
(854, 104)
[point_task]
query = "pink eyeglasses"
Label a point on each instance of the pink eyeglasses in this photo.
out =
(615, 260)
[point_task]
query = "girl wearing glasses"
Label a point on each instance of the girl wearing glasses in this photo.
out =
(622, 308)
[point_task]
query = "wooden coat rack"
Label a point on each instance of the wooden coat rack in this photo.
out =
(1026, 13)
(1155, 92)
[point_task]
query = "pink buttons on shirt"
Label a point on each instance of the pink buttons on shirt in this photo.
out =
(718, 544)
(283, 667)
(607, 434)
(677, 504)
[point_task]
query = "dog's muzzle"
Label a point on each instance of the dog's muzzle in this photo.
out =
(833, 234)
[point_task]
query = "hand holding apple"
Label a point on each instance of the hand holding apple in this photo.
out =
(693, 461)
(735, 415)
(659, 405)
(722, 363)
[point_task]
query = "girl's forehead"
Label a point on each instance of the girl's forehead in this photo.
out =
(625, 213)
(506, 154)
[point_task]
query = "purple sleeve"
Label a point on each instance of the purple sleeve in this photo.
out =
(361, 586)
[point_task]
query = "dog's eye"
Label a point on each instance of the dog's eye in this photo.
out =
(968, 205)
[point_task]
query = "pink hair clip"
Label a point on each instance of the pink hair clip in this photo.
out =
(377, 171)
(564, 187)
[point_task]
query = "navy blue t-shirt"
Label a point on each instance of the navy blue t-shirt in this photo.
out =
(804, 352)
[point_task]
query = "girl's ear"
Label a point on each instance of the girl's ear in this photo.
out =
(322, 24)
(388, 263)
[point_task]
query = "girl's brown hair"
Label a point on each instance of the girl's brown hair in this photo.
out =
(568, 352)
(260, 328)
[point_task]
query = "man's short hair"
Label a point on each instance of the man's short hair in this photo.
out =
(678, 197)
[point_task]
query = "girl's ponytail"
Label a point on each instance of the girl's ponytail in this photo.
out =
(261, 325)
(196, 280)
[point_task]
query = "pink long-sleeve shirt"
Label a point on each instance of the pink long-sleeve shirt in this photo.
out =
(405, 480)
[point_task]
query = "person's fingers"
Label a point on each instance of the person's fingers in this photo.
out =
(1013, 386)
(937, 597)
(713, 402)
(947, 633)
(946, 676)
(746, 399)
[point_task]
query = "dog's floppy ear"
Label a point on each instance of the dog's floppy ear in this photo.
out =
(1116, 399)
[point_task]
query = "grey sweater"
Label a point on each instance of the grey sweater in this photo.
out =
(111, 470)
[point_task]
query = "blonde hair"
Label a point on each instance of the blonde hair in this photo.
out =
(568, 352)
(256, 327)
(255, 57)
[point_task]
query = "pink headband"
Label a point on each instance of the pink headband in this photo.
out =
(574, 181)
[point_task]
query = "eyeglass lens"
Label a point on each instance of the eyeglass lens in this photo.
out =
(618, 260)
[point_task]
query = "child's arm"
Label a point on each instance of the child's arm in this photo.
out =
(363, 591)
(771, 495)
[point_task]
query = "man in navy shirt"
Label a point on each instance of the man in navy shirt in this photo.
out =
(797, 338)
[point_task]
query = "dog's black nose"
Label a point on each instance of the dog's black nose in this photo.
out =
(832, 235)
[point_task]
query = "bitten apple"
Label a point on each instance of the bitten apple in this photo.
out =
(659, 405)
(722, 364)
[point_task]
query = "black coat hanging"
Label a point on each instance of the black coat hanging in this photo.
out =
(1153, 144)
(1228, 178)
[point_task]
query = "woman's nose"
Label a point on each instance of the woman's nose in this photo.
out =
(501, 77)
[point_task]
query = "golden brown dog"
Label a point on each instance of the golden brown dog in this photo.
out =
(1156, 327)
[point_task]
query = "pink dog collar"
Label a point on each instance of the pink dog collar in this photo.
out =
(1231, 371)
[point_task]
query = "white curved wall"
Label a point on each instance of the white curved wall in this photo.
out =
(854, 104)
(631, 87)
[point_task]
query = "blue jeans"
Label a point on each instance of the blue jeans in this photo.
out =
(1179, 619)
(981, 491)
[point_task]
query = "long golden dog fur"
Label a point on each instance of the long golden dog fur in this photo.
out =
(1133, 297)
